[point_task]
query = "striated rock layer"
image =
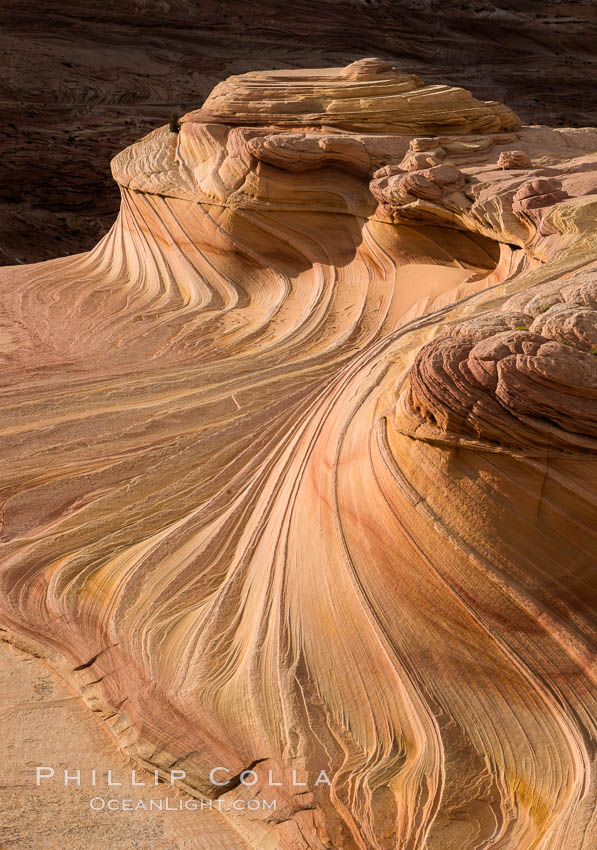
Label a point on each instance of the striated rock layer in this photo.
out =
(301, 462)
(81, 81)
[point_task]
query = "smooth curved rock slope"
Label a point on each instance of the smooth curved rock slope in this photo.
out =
(301, 462)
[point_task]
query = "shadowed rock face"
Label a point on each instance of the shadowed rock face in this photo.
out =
(301, 461)
(80, 83)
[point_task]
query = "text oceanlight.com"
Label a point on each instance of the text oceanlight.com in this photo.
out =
(219, 777)
(169, 804)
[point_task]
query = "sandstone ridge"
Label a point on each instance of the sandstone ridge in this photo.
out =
(300, 463)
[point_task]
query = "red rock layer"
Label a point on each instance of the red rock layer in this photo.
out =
(301, 462)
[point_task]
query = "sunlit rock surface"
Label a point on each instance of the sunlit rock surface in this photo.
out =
(300, 463)
(83, 80)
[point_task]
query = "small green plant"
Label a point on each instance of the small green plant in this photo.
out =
(546, 308)
(521, 327)
(174, 125)
(594, 351)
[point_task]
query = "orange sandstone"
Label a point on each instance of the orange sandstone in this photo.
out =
(300, 462)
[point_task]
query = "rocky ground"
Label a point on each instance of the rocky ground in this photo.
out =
(80, 82)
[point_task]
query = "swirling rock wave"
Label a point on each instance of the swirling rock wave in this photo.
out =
(301, 461)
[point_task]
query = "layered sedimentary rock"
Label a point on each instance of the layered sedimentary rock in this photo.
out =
(81, 81)
(44, 723)
(301, 464)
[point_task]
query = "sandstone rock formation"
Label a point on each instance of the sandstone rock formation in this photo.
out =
(301, 462)
(81, 81)
(514, 159)
(44, 723)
